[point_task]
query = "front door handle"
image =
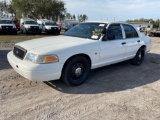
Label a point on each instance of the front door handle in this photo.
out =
(123, 43)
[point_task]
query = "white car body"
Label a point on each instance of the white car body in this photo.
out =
(68, 24)
(48, 28)
(26, 28)
(100, 53)
(8, 28)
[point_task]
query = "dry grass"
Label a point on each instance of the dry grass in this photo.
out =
(17, 38)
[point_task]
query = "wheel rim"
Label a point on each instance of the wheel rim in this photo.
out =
(140, 57)
(77, 71)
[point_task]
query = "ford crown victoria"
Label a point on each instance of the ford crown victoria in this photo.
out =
(86, 46)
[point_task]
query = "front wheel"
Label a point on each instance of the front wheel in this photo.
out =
(76, 71)
(138, 59)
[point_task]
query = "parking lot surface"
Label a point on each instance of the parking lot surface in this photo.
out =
(116, 92)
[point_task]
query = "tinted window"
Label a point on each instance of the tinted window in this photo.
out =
(130, 31)
(6, 22)
(30, 22)
(86, 30)
(50, 23)
(115, 30)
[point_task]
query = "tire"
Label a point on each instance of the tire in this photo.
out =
(138, 59)
(58, 33)
(15, 33)
(76, 71)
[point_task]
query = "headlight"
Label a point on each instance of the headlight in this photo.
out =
(41, 59)
(32, 57)
(0, 27)
(14, 26)
(48, 28)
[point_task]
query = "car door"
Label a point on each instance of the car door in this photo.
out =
(133, 42)
(113, 45)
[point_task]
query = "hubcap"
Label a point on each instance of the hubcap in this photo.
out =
(140, 56)
(78, 71)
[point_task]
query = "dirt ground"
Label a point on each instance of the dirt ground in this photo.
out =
(116, 92)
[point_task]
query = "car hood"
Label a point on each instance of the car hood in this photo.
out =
(53, 43)
(31, 25)
(51, 26)
(6, 25)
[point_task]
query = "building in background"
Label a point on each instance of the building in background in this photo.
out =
(142, 26)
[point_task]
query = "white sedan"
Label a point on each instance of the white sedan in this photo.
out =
(86, 46)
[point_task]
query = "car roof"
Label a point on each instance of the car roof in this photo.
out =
(28, 20)
(45, 20)
(6, 19)
(105, 22)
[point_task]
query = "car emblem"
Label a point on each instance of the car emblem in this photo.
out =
(6, 27)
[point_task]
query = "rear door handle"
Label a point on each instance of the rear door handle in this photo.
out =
(138, 41)
(123, 43)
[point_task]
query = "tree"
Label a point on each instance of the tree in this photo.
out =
(82, 17)
(74, 17)
(68, 16)
(39, 8)
(7, 7)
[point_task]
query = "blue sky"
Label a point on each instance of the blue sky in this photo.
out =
(119, 10)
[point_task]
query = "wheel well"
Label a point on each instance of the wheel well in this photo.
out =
(84, 55)
(144, 47)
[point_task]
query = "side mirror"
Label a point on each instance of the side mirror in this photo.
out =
(22, 23)
(108, 37)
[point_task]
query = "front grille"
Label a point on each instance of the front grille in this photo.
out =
(33, 28)
(54, 28)
(7, 27)
(19, 52)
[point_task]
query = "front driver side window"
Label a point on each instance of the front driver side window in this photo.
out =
(115, 30)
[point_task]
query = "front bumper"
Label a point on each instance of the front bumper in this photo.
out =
(53, 30)
(8, 31)
(35, 72)
(29, 30)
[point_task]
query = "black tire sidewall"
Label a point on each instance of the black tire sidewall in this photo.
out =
(135, 60)
(67, 71)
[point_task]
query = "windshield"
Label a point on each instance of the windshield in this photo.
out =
(87, 30)
(30, 22)
(6, 22)
(50, 23)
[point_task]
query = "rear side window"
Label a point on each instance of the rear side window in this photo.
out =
(130, 31)
(115, 29)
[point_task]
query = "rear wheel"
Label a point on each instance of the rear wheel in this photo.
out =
(138, 59)
(58, 33)
(76, 71)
